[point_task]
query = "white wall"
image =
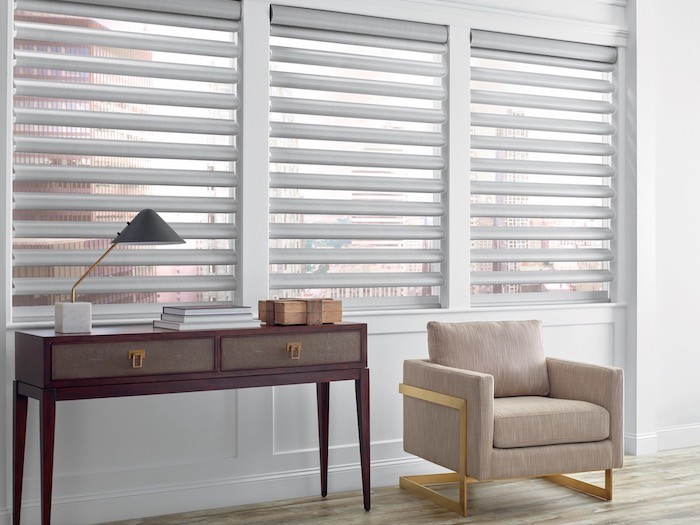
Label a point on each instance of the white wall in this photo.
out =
(677, 136)
(121, 458)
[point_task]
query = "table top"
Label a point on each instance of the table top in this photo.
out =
(142, 329)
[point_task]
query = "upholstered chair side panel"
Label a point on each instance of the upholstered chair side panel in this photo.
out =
(602, 385)
(432, 431)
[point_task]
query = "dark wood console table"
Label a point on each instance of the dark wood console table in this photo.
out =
(140, 360)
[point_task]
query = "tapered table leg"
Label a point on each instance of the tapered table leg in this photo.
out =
(47, 409)
(362, 399)
(322, 400)
(19, 428)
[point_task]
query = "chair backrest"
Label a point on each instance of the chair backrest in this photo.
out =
(511, 351)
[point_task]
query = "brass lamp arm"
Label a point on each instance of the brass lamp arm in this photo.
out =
(98, 261)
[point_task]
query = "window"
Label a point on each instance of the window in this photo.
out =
(357, 110)
(541, 169)
(118, 107)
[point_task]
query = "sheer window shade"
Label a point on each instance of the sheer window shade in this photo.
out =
(357, 110)
(119, 106)
(541, 168)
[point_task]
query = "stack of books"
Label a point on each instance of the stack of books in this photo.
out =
(206, 317)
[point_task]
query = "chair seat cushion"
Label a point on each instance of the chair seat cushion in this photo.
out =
(531, 421)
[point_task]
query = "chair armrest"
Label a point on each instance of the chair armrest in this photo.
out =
(427, 425)
(602, 385)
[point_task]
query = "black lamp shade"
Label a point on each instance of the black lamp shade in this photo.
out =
(147, 228)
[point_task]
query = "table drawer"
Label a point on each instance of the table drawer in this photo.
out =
(96, 360)
(271, 351)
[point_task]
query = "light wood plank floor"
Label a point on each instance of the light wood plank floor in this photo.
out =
(660, 489)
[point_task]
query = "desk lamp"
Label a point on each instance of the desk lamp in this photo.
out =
(146, 228)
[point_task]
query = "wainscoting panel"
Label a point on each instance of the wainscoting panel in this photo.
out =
(592, 343)
(295, 426)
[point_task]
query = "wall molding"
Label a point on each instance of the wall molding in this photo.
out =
(666, 438)
(641, 444)
(151, 501)
(392, 322)
(680, 436)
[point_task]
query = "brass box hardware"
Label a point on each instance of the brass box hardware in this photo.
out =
(136, 357)
(295, 350)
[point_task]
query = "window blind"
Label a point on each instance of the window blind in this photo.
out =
(541, 181)
(357, 113)
(119, 106)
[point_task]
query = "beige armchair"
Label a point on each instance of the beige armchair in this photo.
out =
(488, 405)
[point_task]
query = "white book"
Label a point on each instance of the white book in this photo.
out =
(171, 325)
(208, 309)
(218, 318)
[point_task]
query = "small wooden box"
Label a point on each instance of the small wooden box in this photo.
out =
(300, 311)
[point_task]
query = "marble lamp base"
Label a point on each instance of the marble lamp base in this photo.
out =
(73, 318)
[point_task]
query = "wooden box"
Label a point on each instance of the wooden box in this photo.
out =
(300, 311)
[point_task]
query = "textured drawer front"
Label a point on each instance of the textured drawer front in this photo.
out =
(89, 361)
(271, 351)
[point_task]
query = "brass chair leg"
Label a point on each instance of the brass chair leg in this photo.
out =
(605, 493)
(417, 485)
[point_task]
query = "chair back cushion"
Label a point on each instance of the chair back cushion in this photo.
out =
(511, 351)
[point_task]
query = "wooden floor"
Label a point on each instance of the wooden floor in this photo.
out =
(660, 489)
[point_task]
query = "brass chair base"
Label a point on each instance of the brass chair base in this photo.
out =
(418, 485)
(605, 492)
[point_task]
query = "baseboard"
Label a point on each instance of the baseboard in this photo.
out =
(158, 500)
(641, 444)
(681, 436)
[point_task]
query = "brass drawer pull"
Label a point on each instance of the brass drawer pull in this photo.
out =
(136, 357)
(294, 350)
